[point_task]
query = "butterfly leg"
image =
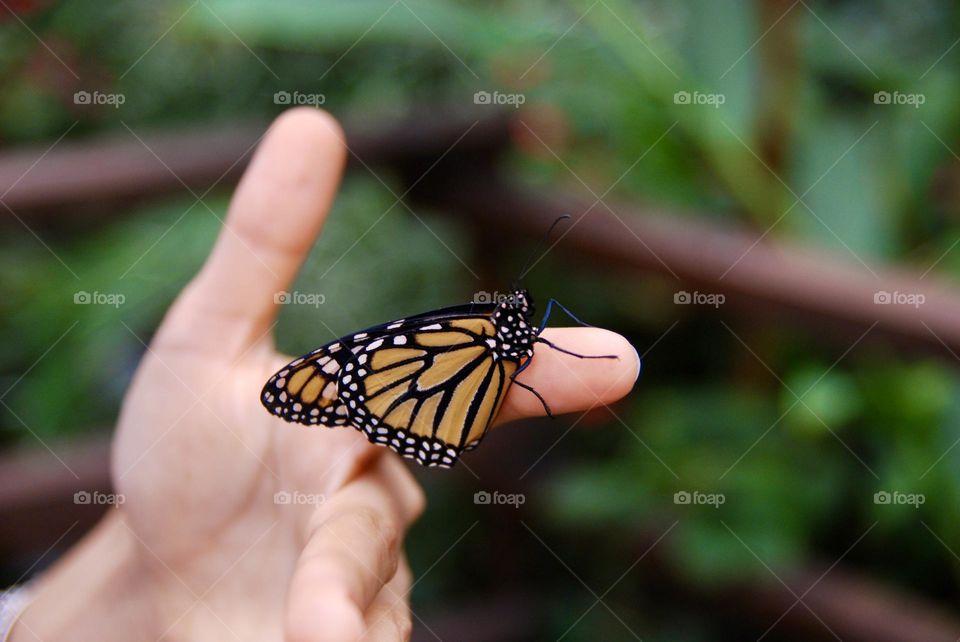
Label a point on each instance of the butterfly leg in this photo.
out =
(537, 394)
(546, 315)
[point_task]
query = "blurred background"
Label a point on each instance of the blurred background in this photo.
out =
(765, 198)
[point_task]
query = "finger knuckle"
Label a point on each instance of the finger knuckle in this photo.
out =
(383, 527)
(418, 502)
(403, 624)
(341, 619)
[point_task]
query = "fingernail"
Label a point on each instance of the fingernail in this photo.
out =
(639, 364)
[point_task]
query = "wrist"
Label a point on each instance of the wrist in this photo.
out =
(99, 590)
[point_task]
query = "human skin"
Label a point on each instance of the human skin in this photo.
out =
(200, 550)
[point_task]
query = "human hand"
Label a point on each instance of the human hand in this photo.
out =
(200, 549)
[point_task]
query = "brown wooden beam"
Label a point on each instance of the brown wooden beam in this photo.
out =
(54, 182)
(37, 489)
(854, 607)
(759, 273)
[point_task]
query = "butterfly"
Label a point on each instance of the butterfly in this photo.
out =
(428, 386)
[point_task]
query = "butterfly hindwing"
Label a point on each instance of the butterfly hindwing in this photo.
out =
(305, 390)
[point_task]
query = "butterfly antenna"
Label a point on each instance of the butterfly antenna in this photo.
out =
(543, 241)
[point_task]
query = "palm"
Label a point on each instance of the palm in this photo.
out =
(200, 462)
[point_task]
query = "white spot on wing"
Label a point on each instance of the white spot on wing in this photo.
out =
(331, 367)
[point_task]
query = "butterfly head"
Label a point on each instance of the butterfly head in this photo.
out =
(518, 301)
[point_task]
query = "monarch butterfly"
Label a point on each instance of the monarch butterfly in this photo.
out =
(428, 386)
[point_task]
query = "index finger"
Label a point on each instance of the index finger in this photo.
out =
(274, 217)
(570, 384)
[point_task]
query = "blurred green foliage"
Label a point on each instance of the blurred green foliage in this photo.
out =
(799, 147)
